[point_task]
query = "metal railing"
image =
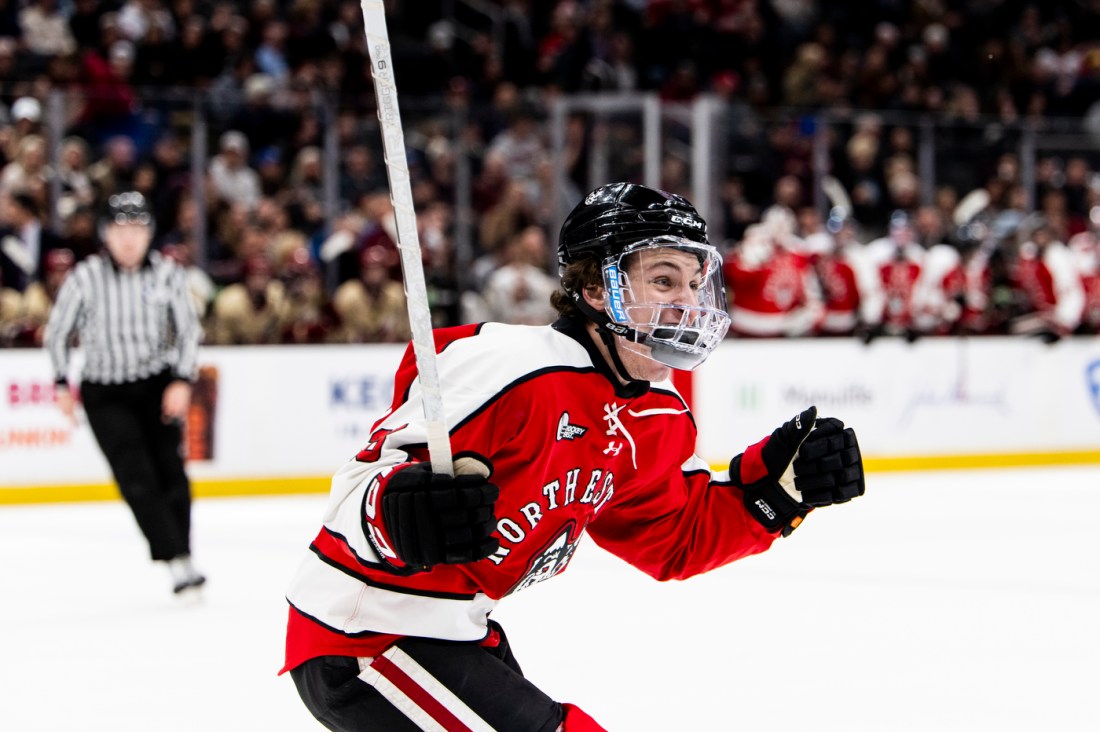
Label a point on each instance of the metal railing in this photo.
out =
(695, 147)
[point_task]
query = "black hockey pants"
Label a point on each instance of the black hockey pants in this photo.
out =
(443, 684)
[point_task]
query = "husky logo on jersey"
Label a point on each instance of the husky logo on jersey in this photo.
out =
(568, 431)
(551, 561)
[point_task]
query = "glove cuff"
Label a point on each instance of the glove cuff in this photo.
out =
(767, 502)
(374, 525)
(749, 466)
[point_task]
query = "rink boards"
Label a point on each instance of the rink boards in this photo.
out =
(270, 420)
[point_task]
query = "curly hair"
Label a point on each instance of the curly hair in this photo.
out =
(577, 277)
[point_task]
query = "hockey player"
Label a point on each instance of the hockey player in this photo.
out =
(1047, 279)
(899, 259)
(849, 284)
(773, 290)
(557, 430)
(1085, 247)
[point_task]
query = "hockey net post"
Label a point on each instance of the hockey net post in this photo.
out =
(408, 240)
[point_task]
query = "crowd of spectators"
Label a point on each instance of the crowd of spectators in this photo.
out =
(797, 274)
(271, 261)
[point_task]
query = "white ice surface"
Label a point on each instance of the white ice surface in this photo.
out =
(939, 601)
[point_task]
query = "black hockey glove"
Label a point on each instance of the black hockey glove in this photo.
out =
(829, 467)
(436, 519)
(809, 462)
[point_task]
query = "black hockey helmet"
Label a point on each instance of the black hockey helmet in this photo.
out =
(614, 216)
(128, 207)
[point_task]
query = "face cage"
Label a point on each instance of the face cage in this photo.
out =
(681, 325)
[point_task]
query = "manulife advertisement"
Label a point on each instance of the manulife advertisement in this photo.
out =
(936, 403)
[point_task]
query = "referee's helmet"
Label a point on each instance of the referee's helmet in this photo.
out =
(127, 207)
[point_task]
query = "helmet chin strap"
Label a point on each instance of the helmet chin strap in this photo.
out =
(607, 332)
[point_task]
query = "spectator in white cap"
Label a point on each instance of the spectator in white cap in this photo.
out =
(231, 177)
(26, 109)
(26, 121)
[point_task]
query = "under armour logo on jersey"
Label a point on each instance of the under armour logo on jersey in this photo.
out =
(614, 427)
(568, 431)
(613, 448)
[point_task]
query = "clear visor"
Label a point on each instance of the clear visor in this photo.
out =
(669, 291)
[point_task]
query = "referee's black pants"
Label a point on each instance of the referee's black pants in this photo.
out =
(145, 455)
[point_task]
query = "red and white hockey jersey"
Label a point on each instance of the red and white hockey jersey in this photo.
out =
(841, 295)
(1085, 248)
(941, 287)
(572, 451)
(1090, 282)
(1049, 280)
(977, 293)
(772, 294)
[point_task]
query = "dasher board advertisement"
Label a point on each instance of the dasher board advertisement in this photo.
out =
(939, 399)
(261, 412)
(283, 419)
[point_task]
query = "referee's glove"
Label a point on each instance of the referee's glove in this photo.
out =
(806, 463)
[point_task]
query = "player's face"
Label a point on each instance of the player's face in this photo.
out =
(128, 243)
(658, 278)
(663, 277)
(667, 294)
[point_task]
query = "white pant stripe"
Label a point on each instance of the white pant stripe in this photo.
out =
(399, 699)
(430, 685)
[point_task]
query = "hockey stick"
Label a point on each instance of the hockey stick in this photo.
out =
(408, 240)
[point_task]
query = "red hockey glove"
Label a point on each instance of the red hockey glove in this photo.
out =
(806, 463)
(436, 519)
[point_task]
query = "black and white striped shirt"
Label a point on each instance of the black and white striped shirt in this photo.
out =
(131, 325)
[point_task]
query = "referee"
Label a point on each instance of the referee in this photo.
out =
(135, 322)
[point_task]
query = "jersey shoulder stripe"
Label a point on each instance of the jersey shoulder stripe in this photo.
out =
(476, 364)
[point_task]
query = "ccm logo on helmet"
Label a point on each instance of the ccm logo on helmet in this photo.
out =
(687, 222)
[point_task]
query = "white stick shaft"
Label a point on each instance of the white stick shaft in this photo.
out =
(408, 240)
